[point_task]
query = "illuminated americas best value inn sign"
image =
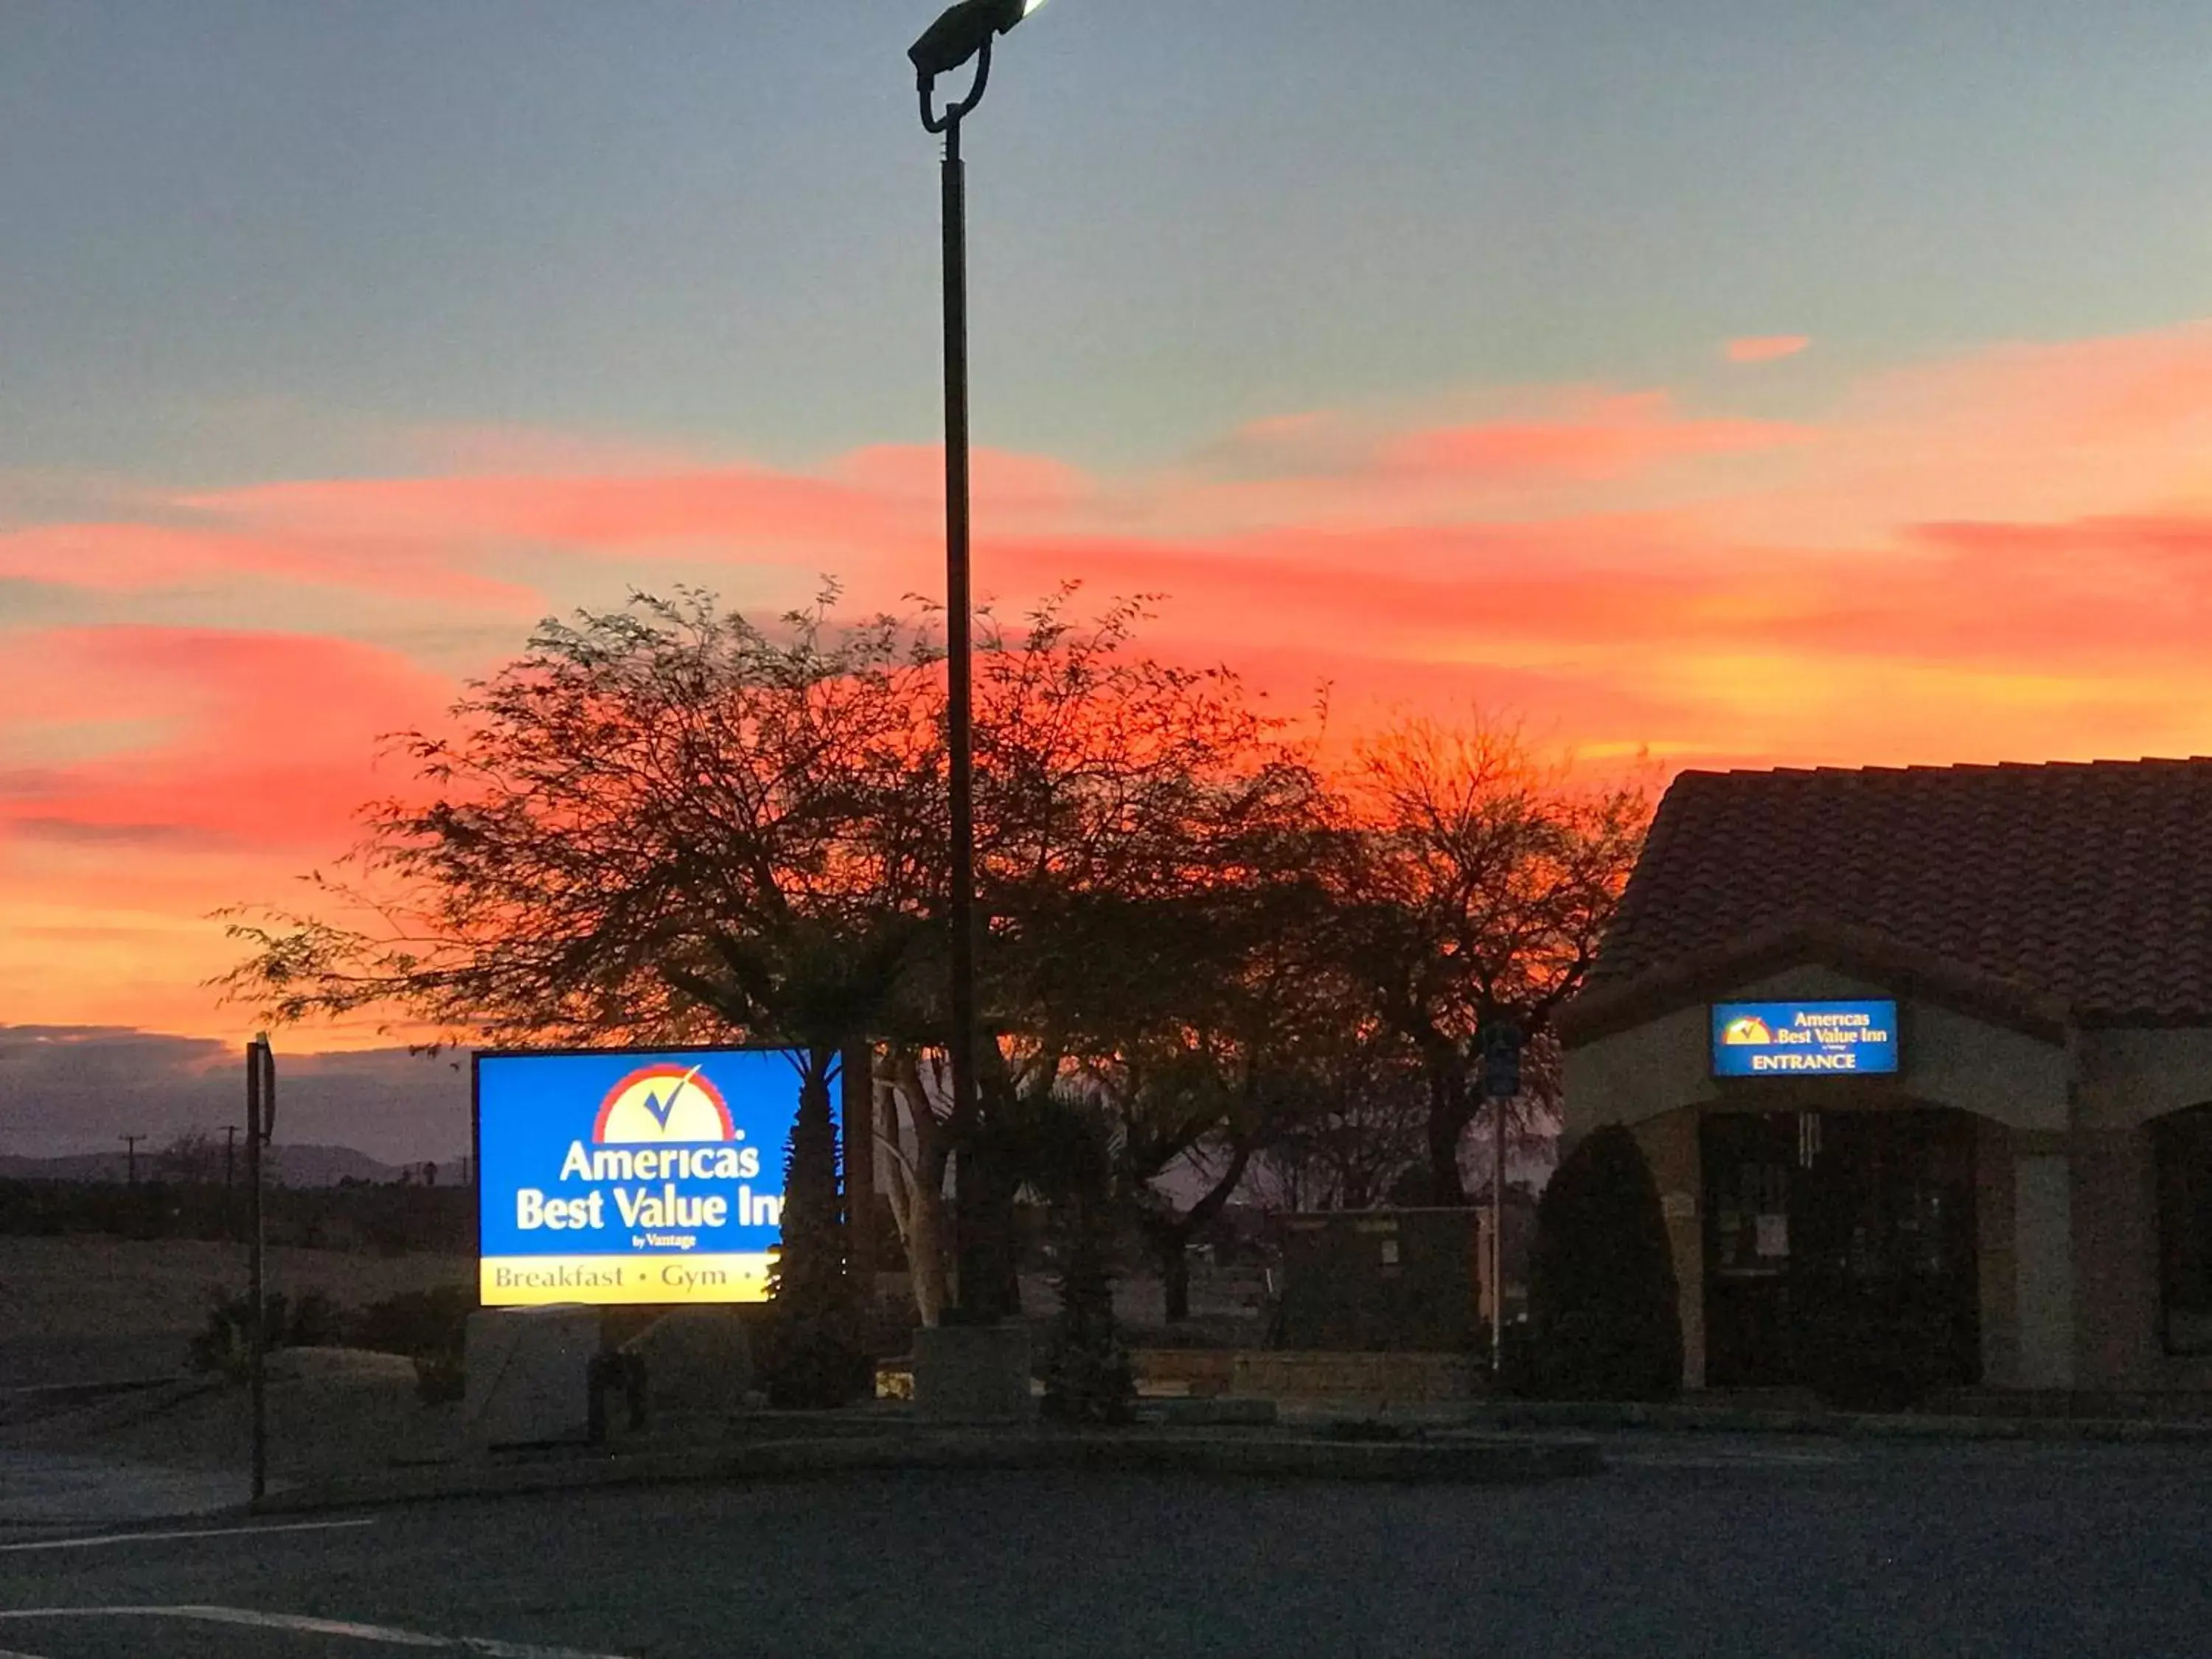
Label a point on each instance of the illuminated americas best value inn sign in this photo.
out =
(1792, 1039)
(630, 1175)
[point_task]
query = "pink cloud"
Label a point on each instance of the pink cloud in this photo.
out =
(1766, 347)
(2006, 554)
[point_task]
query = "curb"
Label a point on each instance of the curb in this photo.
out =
(1499, 1461)
(1693, 1420)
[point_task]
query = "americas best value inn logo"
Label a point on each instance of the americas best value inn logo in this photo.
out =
(1755, 1038)
(662, 1124)
(647, 1190)
(1748, 1028)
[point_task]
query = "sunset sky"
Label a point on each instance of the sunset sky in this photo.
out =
(1753, 386)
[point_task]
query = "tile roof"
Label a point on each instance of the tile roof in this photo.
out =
(2090, 882)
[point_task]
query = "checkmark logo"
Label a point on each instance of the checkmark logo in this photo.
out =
(661, 1105)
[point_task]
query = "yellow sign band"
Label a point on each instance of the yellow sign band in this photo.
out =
(535, 1281)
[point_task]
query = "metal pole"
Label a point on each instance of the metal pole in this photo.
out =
(131, 1158)
(960, 710)
(261, 1109)
(1498, 1232)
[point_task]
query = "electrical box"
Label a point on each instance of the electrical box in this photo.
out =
(1379, 1280)
(529, 1375)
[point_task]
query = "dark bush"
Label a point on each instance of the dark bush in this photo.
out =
(1088, 1377)
(312, 1321)
(812, 1357)
(440, 1378)
(1605, 1322)
(430, 1326)
(417, 1323)
(225, 1344)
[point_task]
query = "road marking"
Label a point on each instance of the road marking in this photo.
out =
(192, 1532)
(490, 1646)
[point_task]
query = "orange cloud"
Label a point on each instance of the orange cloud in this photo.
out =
(1766, 348)
(2004, 555)
(151, 776)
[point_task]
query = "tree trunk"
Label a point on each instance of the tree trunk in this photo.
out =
(924, 1234)
(1175, 1274)
(984, 1189)
(1448, 1116)
(1170, 1238)
(917, 1184)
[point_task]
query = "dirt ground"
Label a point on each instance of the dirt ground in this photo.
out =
(87, 1307)
(90, 1309)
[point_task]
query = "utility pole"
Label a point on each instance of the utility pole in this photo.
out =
(130, 1158)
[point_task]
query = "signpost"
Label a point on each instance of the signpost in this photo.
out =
(260, 1124)
(630, 1175)
(1501, 1040)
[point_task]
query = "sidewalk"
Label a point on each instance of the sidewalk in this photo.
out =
(1696, 1418)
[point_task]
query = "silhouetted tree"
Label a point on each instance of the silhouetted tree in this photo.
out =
(669, 823)
(1604, 1314)
(1087, 1375)
(1474, 883)
(814, 1358)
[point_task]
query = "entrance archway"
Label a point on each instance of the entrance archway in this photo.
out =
(1840, 1252)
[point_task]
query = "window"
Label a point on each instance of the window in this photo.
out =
(2181, 1152)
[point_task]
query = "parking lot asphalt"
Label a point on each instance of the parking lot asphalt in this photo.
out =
(1709, 1545)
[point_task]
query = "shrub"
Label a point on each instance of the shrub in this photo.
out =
(1087, 1374)
(225, 1344)
(812, 1357)
(440, 1378)
(417, 1323)
(312, 1321)
(1605, 1321)
(430, 1328)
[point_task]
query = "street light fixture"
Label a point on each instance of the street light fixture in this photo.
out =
(964, 31)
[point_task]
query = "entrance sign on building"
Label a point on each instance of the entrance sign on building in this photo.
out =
(630, 1175)
(1788, 1039)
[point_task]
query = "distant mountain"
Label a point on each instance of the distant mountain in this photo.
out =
(288, 1166)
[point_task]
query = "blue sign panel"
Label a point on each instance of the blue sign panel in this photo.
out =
(630, 1175)
(1795, 1039)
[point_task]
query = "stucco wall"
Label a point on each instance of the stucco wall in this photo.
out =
(1669, 1143)
(2130, 1076)
(2066, 1203)
(1949, 1058)
(2043, 1280)
(1993, 1253)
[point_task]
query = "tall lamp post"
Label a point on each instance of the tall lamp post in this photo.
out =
(963, 31)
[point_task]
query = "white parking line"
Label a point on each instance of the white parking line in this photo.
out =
(190, 1532)
(490, 1646)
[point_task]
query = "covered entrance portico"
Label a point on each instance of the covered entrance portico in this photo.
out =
(1840, 1251)
(1873, 1238)
(2018, 1191)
